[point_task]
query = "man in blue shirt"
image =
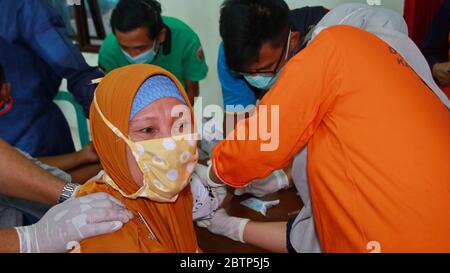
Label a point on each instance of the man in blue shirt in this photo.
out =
(238, 94)
(235, 89)
(37, 54)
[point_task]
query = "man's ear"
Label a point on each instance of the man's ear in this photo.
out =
(5, 91)
(295, 40)
(162, 36)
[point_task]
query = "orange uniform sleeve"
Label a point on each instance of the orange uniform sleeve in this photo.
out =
(302, 96)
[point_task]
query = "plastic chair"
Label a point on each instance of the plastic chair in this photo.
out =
(83, 131)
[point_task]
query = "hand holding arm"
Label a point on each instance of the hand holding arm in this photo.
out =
(73, 221)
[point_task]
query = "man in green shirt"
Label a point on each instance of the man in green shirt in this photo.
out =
(141, 35)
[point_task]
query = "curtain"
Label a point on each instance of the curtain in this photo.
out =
(418, 15)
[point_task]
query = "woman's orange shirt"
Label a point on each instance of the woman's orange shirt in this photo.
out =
(135, 237)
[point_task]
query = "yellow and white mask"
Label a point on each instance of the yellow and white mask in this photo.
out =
(166, 164)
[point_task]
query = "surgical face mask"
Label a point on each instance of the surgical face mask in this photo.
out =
(146, 57)
(265, 81)
(166, 164)
(258, 205)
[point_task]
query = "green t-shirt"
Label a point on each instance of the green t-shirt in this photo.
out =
(185, 60)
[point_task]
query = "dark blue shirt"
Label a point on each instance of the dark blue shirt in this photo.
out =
(36, 54)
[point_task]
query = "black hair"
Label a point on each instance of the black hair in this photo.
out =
(2, 75)
(132, 14)
(246, 24)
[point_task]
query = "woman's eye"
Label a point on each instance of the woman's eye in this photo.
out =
(147, 130)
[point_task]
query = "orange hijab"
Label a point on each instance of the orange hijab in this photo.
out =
(171, 223)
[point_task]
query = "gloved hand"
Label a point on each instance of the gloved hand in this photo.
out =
(73, 221)
(223, 224)
(206, 200)
(276, 181)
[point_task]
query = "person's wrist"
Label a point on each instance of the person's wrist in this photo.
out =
(282, 178)
(208, 177)
(241, 228)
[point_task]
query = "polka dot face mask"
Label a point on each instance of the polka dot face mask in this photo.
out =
(166, 164)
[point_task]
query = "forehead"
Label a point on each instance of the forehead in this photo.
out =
(160, 108)
(268, 55)
(138, 34)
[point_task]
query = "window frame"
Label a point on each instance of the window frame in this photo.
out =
(82, 37)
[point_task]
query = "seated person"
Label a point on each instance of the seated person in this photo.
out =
(148, 155)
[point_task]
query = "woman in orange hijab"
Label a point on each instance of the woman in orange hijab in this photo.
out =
(147, 159)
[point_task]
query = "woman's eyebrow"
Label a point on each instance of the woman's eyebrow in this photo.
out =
(144, 119)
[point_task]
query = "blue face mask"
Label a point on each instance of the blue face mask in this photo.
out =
(147, 57)
(262, 81)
